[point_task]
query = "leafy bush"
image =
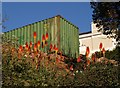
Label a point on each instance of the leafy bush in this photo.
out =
(115, 54)
(43, 69)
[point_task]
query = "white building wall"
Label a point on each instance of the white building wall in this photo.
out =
(93, 39)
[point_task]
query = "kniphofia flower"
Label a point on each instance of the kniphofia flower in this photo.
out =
(103, 51)
(51, 47)
(26, 46)
(35, 35)
(87, 51)
(38, 44)
(20, 49)
(46, 43)
(29, 49)
(46, 37)
(43, 40)
(79, 59)
(100, 46)
(35, 47)
(30, 44)
(56, 50)
(54, 47)
(36, 52)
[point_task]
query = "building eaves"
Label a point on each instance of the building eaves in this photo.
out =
(85, 33)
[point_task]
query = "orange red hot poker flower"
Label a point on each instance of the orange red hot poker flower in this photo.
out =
(20, 49)
(87, 51)
(56, 50)
(43, 38)
(26, 46)
(35, 47)
(43, 41)
(51, 46)
(35, 35)
(46, 37)
(30, 44)
(54, 47)
(79, 59)
(100, 46)
(88, 62)
(103, 50)
(38, 44)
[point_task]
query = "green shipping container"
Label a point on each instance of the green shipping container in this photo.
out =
(61, 33)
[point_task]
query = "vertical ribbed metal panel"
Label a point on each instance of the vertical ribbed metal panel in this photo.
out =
(56, 32)
(28, 33)
(34, 28)
(37, 30)
(15, 34)
(22, 37)
(69, 38)
(19, 34)
(24, 31)
(42, 28)
(30, 29)
(61, 33)
(11, 34)
(44, 31)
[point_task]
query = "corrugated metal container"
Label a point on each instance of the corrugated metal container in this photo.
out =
(62, 33)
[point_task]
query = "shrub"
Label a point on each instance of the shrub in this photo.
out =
(50, 69)
(115, 54)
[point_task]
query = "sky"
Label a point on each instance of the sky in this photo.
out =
(23, 13)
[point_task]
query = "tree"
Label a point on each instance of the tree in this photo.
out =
(106, 15)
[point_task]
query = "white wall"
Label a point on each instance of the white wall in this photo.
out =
(93, 40)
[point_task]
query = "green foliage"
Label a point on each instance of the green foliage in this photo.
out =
(106, 15)
(99, 75)
(115, 54)
(20, 73)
